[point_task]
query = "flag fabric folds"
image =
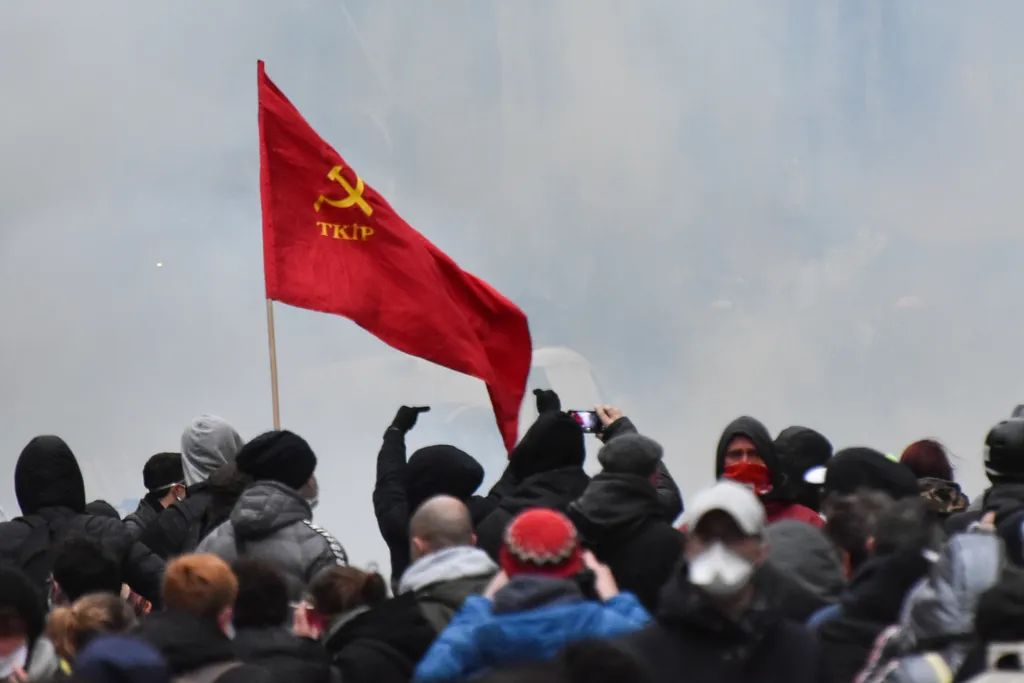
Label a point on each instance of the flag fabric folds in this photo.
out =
(332, 244)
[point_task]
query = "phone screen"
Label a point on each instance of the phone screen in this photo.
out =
(589, 420)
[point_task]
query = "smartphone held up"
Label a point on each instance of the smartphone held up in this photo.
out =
(589, 420)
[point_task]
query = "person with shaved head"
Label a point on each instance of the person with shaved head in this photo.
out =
(447, 567)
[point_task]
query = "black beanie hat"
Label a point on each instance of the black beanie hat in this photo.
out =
(631, 454)
(441, 470)
(282, 456)
(162, 471)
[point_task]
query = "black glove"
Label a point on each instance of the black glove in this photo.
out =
(547, 401)
(405, 418)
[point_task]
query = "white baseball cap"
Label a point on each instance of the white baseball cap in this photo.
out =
(736, 500)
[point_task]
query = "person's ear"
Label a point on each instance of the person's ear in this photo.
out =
(420, 547)
(869, 545)
(474, 539)
(224, 620)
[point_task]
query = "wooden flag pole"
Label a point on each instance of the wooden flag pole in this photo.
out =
(273, 363)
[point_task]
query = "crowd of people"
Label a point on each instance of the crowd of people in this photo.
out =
(798, 565)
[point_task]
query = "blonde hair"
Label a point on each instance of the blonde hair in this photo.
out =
(71, 628)
(201, 584)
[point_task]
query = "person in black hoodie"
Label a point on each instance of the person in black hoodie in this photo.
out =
(622, 522)
(905, 535)
(164, 479)
(545, 470)
(199, 593)
(50, 490)
(746, 454)
(401, 486)
(263, 634)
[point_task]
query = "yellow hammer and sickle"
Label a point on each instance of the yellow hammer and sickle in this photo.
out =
(355, 194)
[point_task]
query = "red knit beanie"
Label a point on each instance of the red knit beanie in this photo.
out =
(541, 542)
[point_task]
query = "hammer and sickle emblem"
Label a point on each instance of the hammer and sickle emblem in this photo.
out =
(355, 194)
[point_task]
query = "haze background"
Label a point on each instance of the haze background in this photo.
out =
(802, 210)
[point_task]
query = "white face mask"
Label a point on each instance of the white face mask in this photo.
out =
(313, 502)
(720, 572)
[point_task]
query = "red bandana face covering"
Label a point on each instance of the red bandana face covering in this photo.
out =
(754, 474)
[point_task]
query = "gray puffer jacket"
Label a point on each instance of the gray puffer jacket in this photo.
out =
(272, 522)
(936, 626)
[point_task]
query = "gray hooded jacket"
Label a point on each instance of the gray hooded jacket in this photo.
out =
(207, 443)
(936, 626)
(272, 522)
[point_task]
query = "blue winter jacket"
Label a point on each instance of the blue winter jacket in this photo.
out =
(530, 619)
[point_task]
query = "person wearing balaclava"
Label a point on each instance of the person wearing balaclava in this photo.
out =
(545, 470)
(208, 449)
(746, 454)
(273, 518)
(402, 486)
(51, 492)
(720, 616)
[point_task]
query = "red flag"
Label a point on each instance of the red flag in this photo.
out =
(332, 244)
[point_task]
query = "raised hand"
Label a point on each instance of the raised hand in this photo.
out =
(405, 418)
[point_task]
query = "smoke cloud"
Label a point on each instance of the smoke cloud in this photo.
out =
(800, 211)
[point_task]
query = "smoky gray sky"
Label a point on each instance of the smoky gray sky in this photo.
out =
(804, 211)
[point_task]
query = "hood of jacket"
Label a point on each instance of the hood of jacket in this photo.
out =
(446, 565)
(945, 497)
(806, 555)
(554, 441)
(758, 434)
(553, 489)
(206, 444)
(800, 449)
(525, 592)
(47, 475)
(441, 470)
(943, 605)
(266, 507)
(614, 505)
(186, 641)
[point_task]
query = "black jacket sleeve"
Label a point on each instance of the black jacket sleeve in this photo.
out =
(670, 498)
(390, 505)
(142, 570)
(165, 536)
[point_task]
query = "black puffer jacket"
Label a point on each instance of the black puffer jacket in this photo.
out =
(179, 528)
(693, 642)
(620, 519)
(51, 493)
(284, 655)
(148, 510)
